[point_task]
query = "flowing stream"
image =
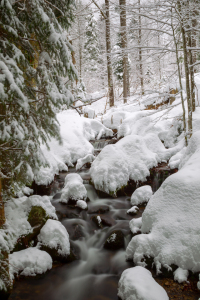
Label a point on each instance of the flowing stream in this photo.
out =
(95, 275)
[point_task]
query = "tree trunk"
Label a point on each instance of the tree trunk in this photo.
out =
(189, 103)
(4, 258)
(108, 53)
(140, 51)
(192, 84)
(126, 91)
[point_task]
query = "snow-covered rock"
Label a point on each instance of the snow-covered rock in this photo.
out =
(74, 188)
(17, 211)
(81, 204)
(133, 210)
(170, 222)
(135, 225)
(89, 112)
(116, 164)
(82, 161)
(181, 275)
(141, 195)
(29, 262)
(55, 236)
(138, 284)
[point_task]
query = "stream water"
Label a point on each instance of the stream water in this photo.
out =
(95, 275)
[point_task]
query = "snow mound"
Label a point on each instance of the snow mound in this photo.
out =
(138, 284)
(82, 161)
(74, 188)
(116, 164)
(181, 275)
(54, 235)
(141, 195)
(114, 119)
(170, 222)
(89, 112)
(29, 262)
(75, 132)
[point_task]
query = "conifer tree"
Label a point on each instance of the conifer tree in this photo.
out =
(91, 47)
(35, 55)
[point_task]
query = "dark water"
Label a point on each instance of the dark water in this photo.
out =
(96, 274)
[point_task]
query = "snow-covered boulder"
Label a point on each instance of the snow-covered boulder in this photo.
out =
(29, 262)
(141, 195)
(135, 225)
(116, 164)
(18, 218)
(74, 188)
(82, 161)
(89, 112)
(138, 284)
(170, 222)
(54, 239)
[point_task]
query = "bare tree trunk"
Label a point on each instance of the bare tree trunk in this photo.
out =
(180, 83)
(122, 4)
(192, 84)
(187, 82)
(108, 53)
(140, 51)
(80, 49)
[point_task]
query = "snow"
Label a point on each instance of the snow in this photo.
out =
(135, 225)
(99, 220)
(16, 212)
(181, 275)
(138, 284)
(133, 209)
(141, 195)
(29, 262)
(76, 132)
(54, 235)
(198, 283)
(170, 222)
(82, 161)
(81, 204)
(74, 188)
(89, 112)
(128, 159)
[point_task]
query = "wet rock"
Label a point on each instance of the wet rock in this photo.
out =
(37, 216)
(98, 221)
(115, 241)
(56, 256)
(98, 209)
(57, 196)
(78, 232)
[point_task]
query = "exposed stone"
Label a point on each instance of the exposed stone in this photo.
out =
(98, 209)
(115, 240)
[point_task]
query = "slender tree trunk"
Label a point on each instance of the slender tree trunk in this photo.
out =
(126, 91)
(80, 50)
(108, 53)
(180, 83)
(4, 257)
(140, 51)
(189, 103)
(191, 69)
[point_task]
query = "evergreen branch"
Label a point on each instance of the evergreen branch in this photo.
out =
(54, 7)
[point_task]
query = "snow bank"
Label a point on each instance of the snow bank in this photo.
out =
(141, 195)
(74, 188)
(82, 161)
(138, 284)
(29, 262)
(75, 134)
(54, 235)
(16, 212)
(116, 164)
(170, 222)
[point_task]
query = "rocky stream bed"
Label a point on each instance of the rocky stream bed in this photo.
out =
(99, 258)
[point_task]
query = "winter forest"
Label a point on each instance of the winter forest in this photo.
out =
(100, 149)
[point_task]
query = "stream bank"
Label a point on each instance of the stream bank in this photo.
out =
(95, 275)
